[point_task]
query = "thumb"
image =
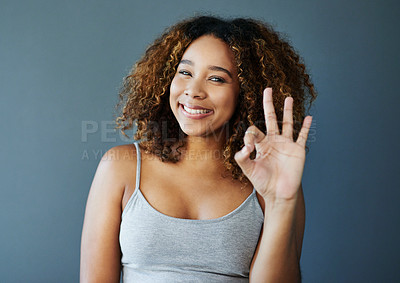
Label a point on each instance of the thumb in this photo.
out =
(242, 157)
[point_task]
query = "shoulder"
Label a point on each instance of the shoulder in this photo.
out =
(116, 167)
(122, 163)
(120, 154)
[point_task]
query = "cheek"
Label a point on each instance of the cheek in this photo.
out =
(230, 102)
(175, 87)
(174, 91)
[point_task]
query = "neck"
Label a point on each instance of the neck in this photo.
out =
(203, 155)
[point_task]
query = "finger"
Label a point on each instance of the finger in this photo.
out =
(303, 135)
(287, 123)
(242, 157)
(269, 113)
(253, 136)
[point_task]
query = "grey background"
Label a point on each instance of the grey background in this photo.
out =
(62, 63)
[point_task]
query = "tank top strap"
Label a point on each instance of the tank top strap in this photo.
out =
(138, 165)
(133, 197)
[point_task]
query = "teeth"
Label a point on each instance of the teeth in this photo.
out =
(195, 111)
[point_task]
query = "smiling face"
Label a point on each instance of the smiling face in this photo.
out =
(205, 88)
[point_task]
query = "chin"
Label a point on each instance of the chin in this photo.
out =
(193, 133)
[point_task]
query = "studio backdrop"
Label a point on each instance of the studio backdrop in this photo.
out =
(61, 67)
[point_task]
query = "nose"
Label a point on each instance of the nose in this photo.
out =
(195, 90)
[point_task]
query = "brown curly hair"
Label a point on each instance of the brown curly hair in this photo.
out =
(263, 59)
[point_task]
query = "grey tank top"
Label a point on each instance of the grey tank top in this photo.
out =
(160, 248)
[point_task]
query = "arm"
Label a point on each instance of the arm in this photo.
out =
(276, 174)
(277, 257)
(100, 251)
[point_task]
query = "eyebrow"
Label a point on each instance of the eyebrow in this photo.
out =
(211, 67)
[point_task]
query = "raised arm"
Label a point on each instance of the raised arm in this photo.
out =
(100, 250)
(276, 174)
(281, 241)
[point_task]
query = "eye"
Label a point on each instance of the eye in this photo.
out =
(184, 72)
(217, 79)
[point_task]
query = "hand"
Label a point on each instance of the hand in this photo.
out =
(277, 170)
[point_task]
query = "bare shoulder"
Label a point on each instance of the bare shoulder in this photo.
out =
(115, 170)
(127, 158)
(121, 154)
(122, 165)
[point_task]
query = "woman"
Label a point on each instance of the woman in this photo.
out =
(212, 192)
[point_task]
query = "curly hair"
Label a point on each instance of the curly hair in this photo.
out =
(263, 59)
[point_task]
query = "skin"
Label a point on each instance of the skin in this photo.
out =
(275, 174)
(208, 79)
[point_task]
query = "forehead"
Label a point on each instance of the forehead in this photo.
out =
(208, 49)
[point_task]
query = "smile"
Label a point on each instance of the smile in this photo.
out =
(195, 113)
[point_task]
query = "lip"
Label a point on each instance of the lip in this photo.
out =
(194, 116)
(192, 106)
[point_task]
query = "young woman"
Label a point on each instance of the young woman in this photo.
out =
(211, 189)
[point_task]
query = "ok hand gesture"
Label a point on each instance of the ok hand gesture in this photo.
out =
(277, 170)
